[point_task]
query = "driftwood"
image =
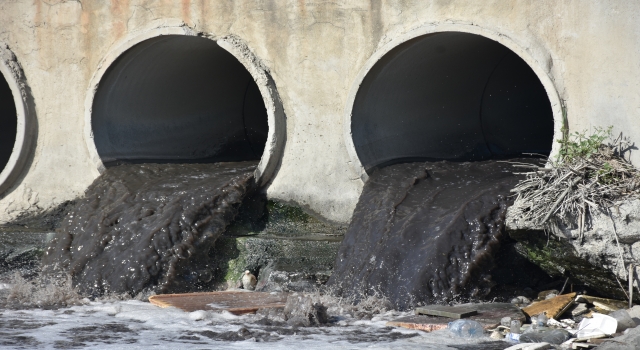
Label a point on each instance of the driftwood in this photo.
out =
(571, 188)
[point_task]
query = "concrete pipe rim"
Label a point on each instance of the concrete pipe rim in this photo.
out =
(12, 73)
(270, 158)
(380, 52)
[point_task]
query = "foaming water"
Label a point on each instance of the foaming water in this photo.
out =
(148, 227)
(133, 324)
(425, 232)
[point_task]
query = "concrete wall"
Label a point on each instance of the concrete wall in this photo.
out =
(315, 53)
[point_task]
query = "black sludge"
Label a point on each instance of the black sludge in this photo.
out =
(425, 232)
(148, 226)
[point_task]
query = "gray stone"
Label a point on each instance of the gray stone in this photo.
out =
(577, 309)
(302, 310)
(628, 341)
(593, 258)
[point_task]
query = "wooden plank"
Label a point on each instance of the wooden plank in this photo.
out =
(446, 311)
(488, 315)
(553, 307)
(236, 302)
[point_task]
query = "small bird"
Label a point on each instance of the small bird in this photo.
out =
(249, 281)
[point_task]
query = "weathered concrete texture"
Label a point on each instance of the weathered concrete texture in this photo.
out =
(609, 243)
(585, 53)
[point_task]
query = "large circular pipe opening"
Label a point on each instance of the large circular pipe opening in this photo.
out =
(8, 123)
(178, 98)
(450, 96)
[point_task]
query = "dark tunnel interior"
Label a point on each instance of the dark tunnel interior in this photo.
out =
(450, 96)
(178, 99)
(8, 123)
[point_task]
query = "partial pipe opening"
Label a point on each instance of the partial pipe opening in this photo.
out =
(8, 123)
(178, 98)
(450, 96)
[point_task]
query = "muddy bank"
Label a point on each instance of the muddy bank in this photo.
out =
(425, 232)
(148, 226)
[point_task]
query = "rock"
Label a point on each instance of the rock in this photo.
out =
(624, 320)
(634, 312)
(273, 315)
(521, 301)
(545, 294)
(301, 310)
(552, 307)
(594, 258)
(577, 309)
(489, 316)
(629, 341)
(496, 335)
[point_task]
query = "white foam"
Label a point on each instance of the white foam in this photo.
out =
(151, 327)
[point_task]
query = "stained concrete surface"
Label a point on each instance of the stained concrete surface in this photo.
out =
(585, 54)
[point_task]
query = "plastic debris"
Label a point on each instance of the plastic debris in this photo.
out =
(552, 336)
(530, 346)
(597, 325)
(512, 337)
(515, 326)
(466, 328)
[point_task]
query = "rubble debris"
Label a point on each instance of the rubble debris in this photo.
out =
(547, 294)
(489, 316)
(496, 335)
(583, 346)
(302, 310)
(603, 303)
(521, 301)
(530, 346)
(628, 341)
(551, 336)
(553, 307)
(446, 311)
(598, 324)
(577, 309)
(236, 302)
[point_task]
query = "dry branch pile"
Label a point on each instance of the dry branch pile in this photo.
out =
(588, 176)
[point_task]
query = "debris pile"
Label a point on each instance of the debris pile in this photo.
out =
(552, 321)
(588, 176)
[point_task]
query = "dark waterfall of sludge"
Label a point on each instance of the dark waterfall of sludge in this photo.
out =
(425, 232)
(148, 227)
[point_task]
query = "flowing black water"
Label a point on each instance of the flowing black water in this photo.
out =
(149, 227)
(425, 232)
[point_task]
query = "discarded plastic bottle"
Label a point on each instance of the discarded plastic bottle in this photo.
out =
(542, 320)
(515, 326)
(512, 337)
(554, 336)
(466, 328)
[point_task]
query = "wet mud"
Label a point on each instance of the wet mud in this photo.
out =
(425, 232)
(148, 227)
